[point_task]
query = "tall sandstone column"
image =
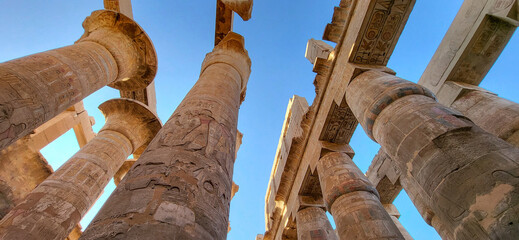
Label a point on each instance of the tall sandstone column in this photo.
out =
(180, 187)
(353, 201)
(312, 223)
(468, 178)
(113, 51)
(493, 114)
(53, 209)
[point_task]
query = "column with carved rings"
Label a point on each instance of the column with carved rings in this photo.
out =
(312, 223)
(56, 206)
(180, 187)
(114, 51)
(353, 201)
(468, 177)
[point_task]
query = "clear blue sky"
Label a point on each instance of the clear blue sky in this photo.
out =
(276, 36)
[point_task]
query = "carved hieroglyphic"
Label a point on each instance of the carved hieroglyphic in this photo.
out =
(483, 51)
(311, 186)
(340, 124)
(140, 95)
(379, 34)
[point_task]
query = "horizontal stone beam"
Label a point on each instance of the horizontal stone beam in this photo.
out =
(474, 41)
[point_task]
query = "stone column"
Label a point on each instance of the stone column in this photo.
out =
(493, 114)
(113, 51)
(22, 168)
(468, 177)
(353, 201)
(54, 208)
(312, 223)
(180, 187)
(395, 215)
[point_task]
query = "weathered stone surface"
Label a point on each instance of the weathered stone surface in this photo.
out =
(21, 169)
(296, 110)
(348, 29)
(122, 6)
(353, 201)
(378, 35)
(33, 89)
(312, 224)
(468, 176)
(317, 49)
(474, 41)
(123, 170)
(490, 112)
(395, 215)
(54, 207)
(241, 7)
(188, 167)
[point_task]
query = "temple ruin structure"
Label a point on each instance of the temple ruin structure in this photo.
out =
(450, 144)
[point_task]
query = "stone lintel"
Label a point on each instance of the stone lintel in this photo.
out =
(145, 95)
(225, 16)
(334, 147)
(362, 68)
(452, 91)
(83, 130)
(340, 20)
(122, 6)
(385, 176)
(224, 21)
(316, 49)
(241, 7)
(474, 41)
(277, 188)
(339, 125)
(309, 201)
(380, 31)
(391, 209)
(75, 117)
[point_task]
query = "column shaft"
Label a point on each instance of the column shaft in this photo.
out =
(353, 201)
(468, 177)
(113, 51)
(312, 223)
(21, 169)
(180, 187)
(54, 208)
(492, 113)
(38, 87)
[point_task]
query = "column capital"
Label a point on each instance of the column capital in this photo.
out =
(132, 119)
(380, 89)
(130, 46)
(231, 50)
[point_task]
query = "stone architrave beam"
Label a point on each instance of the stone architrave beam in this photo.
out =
(465, 176)
(114, 51)
(180, 187)
(224, 16)
(474, 41)
(122, 6)
(54, 208)
(366, 33)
